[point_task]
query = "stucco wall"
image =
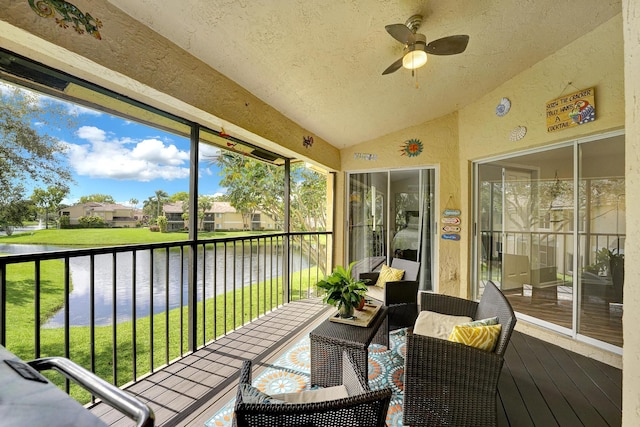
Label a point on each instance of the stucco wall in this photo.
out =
(440, 149)
(631, 316)
(594, 60)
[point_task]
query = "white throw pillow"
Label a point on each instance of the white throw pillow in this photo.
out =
(436, 325)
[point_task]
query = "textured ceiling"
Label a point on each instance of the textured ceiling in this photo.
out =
(320, 63)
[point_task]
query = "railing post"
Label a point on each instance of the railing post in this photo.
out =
(3, 304)
(286, 259)
(192, 295)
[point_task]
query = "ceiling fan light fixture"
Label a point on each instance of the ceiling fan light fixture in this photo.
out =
(414, 59)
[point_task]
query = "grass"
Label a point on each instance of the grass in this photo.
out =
(219, 317)
(107, 236)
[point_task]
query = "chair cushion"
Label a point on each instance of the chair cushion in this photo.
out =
(437, 325)
(388, 274)
(482, 322)
(376, 293)
(481, 337)
(310, 396)
(251, 394)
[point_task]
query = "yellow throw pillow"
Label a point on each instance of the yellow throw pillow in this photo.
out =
(389, 274)
(481, 337)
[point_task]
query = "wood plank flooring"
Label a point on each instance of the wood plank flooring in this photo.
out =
(541, 384)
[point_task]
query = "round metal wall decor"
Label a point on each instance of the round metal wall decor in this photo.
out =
(503, 107)
(412, 147)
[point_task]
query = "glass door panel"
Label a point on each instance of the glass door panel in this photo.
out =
(602, 231)
(556, 249)
(391, 216)
(525, 206)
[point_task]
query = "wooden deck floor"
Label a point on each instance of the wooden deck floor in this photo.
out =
(541, 384)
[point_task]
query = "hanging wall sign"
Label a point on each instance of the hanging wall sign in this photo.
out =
(451, 220)
(451, 236)
(451, 229)
(571, 110)
(451, 212)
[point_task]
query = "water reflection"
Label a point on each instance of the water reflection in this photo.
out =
(231, 271)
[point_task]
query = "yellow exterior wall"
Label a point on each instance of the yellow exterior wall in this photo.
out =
(631, 316)
(594, 60)
(440, 149)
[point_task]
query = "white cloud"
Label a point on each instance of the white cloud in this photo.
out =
(124, 159)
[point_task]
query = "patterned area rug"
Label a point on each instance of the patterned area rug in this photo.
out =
(290, 373)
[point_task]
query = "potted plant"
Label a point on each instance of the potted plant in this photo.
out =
(342, 290)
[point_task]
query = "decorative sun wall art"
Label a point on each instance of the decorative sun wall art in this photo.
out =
(307, 141)
(411, 147)
(69, 15)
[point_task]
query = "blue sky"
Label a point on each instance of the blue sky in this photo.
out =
(127, 160)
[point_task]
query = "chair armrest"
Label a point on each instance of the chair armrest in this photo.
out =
(352, 378)
(109, 393)
(245, 378)
(446, 304)
(369, 279)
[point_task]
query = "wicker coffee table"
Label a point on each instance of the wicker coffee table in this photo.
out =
(330, 339)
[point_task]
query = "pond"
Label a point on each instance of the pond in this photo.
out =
(249, 268)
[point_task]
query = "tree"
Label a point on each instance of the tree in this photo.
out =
(49, 199)
(133, 202)
(161, 198)
(254, 186)
(13, 209)
(27, 154)
(204, 204)
(98, 198)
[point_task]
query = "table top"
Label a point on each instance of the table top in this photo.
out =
(343, 334)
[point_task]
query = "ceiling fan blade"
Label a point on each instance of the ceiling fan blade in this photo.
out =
(400, 32)
(451, 45)
(393, 67)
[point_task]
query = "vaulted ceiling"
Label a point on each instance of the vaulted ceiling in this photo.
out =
(320, 63)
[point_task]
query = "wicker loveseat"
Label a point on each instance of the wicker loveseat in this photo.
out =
(360, 408)
(453, 384)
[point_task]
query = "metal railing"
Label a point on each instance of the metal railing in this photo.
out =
(123, 312)
(548, 248)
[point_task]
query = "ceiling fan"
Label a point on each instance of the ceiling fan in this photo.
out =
(416, 47)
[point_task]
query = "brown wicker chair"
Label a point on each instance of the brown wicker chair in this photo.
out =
(363, 407)
(451, 384)
(401, 297)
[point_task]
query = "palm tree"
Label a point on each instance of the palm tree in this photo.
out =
(161, 197)
(133, 202)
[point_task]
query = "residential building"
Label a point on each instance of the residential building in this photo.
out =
(221, 216)
(113, 214)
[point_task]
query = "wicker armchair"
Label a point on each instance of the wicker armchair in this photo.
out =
(401, 297)
(451, 384)
(362, 407)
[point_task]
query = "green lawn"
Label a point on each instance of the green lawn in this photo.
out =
(21, 320)
(107, 236)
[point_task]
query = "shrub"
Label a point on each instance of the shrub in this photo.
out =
(154, 228)
(65, 221)
(91, 222)
(162, 223)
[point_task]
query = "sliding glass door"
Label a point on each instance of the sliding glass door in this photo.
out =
(391, 215)
(550, 233)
